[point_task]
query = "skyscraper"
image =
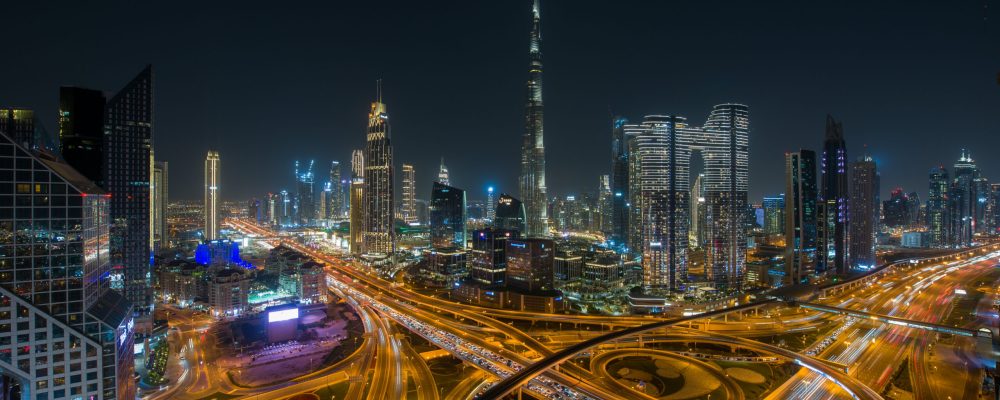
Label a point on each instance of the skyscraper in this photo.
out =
(128, 141)
(800, 214)
(491, 207)
(532, 181)
(357, 201)
(335, 207)
(603, 208)
(832, 211)
(724, 142)
(306, 197)
(963, 200)
(379, 236)
(658, 176)
(487, 259)
(938, 219)
(447, 216)
(619, 182)
(510, 214)
(212, 184)
(409, 206)
(529, 264)
(161, 175)
(863, 211)
(696, 206)
(896, 210)
(66, 334)
(774, 215)
(81, 130)
(443, 173)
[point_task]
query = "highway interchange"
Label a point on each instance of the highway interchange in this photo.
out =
(498, 345)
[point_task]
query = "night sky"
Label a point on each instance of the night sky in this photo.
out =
(269, 84)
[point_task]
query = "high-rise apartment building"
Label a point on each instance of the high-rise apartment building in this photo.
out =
(603, 206)
(658, 176)
(66, 334)
(357, 201)
(774, 215)
(305, 180)
(447, 216)
(335, 203)
(212, 185)
(863, 209)
(532, 180)
(696, 206)
(619, 182)
(81, 130)
(938, 215)
(379, 236)
(128, 141)
(161, 186)
(800, 214)
(409, 206)
(832, 211)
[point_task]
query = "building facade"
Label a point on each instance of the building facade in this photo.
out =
(67, 335)
(212, 185)
(81, 130)
(532, 180)
(863, 213)
(832, 207)
(128, 141)
(529, 265)
(161, 196)
(800, 215)
(378, 236)
(447, 217)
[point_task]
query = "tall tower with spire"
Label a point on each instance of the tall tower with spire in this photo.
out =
(443, 174)
(532, 180)
(378, 235)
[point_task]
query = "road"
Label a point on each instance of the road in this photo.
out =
(874, 350)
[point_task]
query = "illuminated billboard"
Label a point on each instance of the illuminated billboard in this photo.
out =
(282, 315)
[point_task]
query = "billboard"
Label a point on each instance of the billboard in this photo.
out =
(282, 315)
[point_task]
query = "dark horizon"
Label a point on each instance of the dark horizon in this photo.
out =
(265, 87)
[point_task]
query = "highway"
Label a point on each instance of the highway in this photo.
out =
(873, 350)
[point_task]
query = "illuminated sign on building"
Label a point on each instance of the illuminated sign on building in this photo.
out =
(282, 315)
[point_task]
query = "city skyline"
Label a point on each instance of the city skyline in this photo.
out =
(874, 94)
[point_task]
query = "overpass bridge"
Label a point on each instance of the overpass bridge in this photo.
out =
(512, 382)
(895, 320)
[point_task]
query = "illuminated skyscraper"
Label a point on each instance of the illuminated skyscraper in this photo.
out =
(658, 176)
(832, 211)
(65, 333)
(212, 184)
(619, 182)
(447, 216)
(696, 200)
(409, 206)
(357, 201)
(379, 236)
(81, 130)
(335, 206)
(963, 200)
(532, 180)
(774, 215)
(443, 176)
(800, 214)
(128, 141)
(491, 206)
(938, 218)
(161, 196)
(863, 212)
(306, 182)
(603, 207)
(724, 141)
